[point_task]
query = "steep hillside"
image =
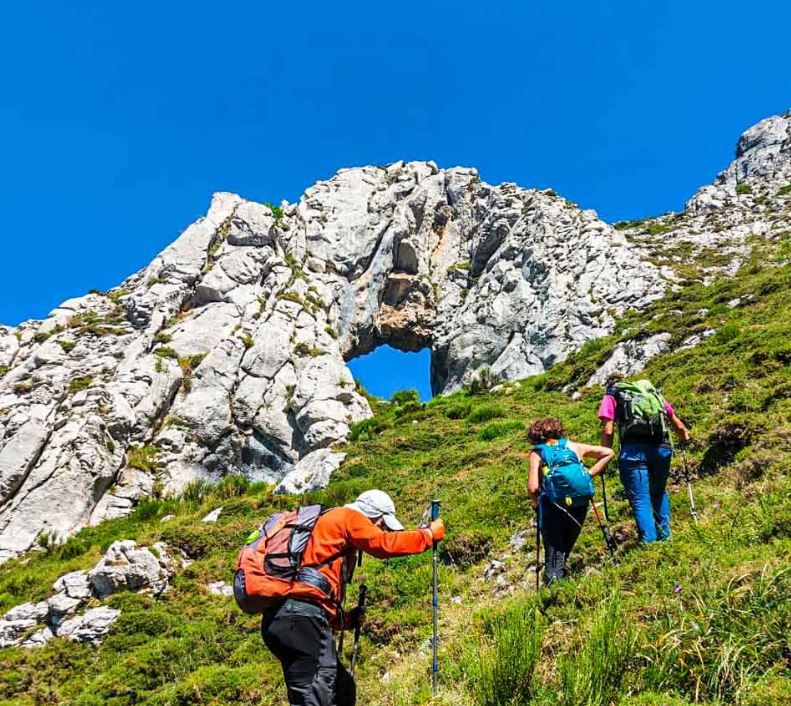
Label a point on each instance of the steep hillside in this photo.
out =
(700, 619)
(226, 354)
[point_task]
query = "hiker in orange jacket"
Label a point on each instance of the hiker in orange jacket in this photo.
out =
(299, 632)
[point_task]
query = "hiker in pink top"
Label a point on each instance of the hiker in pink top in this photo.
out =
(646, 453)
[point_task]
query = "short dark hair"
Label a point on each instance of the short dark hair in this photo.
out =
(542, 430)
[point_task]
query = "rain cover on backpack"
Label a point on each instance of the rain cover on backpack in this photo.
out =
(640, 412)
(270, 564)
(564, 480)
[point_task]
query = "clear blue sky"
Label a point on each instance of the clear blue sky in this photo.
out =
(118, 120)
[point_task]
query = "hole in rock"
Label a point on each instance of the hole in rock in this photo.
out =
(387, 370)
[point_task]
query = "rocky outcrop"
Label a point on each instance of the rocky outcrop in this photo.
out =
(90, 627)
(630, 357)
(312, 472)
(124, 567)
(748, 200)
(227, 354)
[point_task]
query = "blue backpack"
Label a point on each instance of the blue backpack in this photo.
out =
(564, 479)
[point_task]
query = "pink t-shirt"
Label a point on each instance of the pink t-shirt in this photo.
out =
(607, 408)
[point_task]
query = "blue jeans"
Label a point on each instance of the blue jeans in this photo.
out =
(644, 470)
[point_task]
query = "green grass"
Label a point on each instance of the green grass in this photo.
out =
(142, 457)
(277, 211)
(500, 664)
(166, 352)
(485, 412)
(702, 619)
(497, 429)
(80, 383)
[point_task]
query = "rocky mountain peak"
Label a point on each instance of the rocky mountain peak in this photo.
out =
(227, 353)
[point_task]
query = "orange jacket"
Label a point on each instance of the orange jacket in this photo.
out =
(339, 533)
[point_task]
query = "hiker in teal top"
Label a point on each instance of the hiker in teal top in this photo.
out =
(561, 487)
(644, 419)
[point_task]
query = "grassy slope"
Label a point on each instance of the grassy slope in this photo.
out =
(612, 634)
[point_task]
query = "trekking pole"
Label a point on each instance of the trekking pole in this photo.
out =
(604, 496)
(360, 610)
(435, 504)
(538, 545)
(688, 478)
(346, 580)
(609, 540)
(340, 643)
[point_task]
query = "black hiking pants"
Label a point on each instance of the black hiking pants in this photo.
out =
(299, 635)
(560, 529)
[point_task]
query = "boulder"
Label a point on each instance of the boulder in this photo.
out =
(60, 605)
(213, 516)
(12, 632)
(125, 566)
(220, 588)
(311, 472)
(91, 627)
(39, 638)
(630, 357)
(28, 611)
(493, 569)
(76, 584)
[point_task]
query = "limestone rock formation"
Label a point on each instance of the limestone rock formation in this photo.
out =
(90, 627)
(124, 566)
(227, 354)
(631, 356)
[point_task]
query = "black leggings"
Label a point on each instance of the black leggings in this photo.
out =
(299, 635)
(560, 529)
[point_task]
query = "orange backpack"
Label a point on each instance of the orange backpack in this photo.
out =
(270, 564)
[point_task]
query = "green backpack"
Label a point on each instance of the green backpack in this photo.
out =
(640, 412)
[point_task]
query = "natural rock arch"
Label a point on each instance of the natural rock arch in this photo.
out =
(228, 351)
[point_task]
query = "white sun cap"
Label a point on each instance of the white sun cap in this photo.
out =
(377, 503)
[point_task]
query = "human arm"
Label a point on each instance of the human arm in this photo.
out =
(679, 428)
(602, 454)
(607, 415)
(607, 432)
(533, 476)
(365, 535)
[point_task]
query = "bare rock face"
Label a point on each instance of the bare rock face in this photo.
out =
(91, 626)
(312, 472)
(631, 357)
(227, 354)
(125, 566)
